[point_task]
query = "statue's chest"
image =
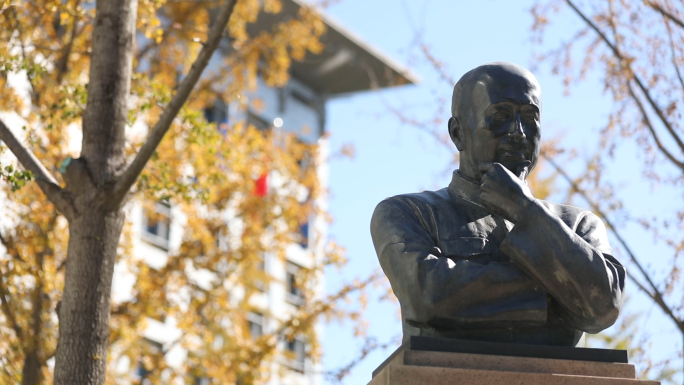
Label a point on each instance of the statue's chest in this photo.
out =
(469, 232)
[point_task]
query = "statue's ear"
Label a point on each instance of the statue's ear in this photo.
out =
(456, 134)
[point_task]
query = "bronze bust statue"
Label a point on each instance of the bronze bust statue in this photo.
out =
(483, 259)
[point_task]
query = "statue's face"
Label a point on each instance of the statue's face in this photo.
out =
(500, 123)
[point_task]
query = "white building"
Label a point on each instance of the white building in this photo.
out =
(347, 65)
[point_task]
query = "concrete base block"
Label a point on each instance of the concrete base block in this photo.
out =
(409, 367)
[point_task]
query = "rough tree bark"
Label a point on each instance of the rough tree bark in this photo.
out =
(94, 229)
(97, 184)
(31, 373)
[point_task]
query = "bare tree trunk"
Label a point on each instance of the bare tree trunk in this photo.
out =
(31, 373)
(95, 226)
(84, 313)
(96, 185)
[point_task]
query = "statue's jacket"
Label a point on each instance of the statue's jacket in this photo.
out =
(461, 272)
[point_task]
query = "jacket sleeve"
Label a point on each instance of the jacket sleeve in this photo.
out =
(436, 291)
(575, 266)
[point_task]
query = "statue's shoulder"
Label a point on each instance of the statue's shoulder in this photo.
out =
(585, 224)
(418, 203)
(429, 198)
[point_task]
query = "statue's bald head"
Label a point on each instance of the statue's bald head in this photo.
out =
(501, 80)
(496, 117)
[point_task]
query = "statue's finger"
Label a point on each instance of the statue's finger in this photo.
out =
(524, 167)
(486, 183)
(500, 168)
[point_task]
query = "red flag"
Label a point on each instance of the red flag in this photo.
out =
(261, 185)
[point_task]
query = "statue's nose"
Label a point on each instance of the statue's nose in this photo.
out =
(516, 129)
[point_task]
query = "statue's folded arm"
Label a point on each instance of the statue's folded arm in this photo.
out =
(436, 291)
(575, 266)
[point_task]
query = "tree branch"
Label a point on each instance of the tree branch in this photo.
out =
(45, 180)
(665, 13)
(33, 92)
(654, 292)
(624, 63)
(674, 55)
(145, 50)
(9, 248)
(9, 313)
(49, 355)
(35, 323)
(140, 55)
(371, 345)
(650, 127)
(63, 62)
(133, 171)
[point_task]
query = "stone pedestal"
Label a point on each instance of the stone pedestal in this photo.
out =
(419, 367)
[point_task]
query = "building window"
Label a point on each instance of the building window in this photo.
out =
(300, 97)
(255, 322)
(304, 221)
(304, 234)
(142, 371)
(261, 266)
(306, 161)
(218, 113)
(254, 120)
(157, 225)
(294, 294)
(296, 351)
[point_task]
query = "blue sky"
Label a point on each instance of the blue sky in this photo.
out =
(392, 159)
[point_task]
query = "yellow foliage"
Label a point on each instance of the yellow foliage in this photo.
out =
(198, 169)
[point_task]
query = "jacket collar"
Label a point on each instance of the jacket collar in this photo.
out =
(465, 189)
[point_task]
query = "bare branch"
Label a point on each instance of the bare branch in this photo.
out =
(146, 49)
(651, 129)
(665, 13)
(11, 249)
(63, 62)
(140, 55)
(33, 92)
(133, 171)
(653, 292)
(36, 324)
(45, 180)
(642, 287)
(635, 77)
(674, 55)
(439, 66)
(427, 127)
(9, 312)
(370, 346)
(49, 355)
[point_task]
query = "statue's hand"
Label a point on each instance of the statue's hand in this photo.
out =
(503, 193)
